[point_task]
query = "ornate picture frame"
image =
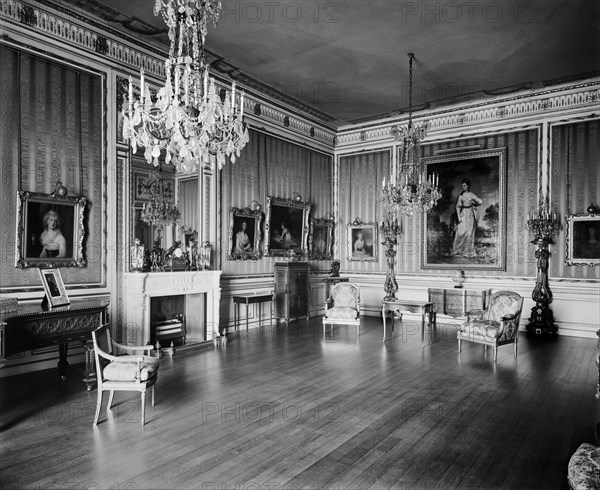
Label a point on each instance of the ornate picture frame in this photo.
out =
(320, 239)
(363, 242)
(50, 230)
(286, 227)
(244, 234)
(473, 183)
(582, 239)
(56, 294)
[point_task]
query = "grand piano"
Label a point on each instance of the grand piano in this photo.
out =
(30, 327)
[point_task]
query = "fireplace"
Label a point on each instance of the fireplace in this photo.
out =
(198, 295)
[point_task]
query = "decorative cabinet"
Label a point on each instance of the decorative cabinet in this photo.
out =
(457, 301)
(291, 290)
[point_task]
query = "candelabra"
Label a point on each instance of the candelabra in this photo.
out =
(542, 225)
(389, 231)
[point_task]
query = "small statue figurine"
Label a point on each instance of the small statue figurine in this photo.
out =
(137, 255)
(459, 278)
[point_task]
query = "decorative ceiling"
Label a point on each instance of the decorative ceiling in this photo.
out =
(348, 58)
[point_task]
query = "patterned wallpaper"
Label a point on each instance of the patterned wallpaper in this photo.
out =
(360, 181)
(52, 129)
(270, 166)
(574, 185)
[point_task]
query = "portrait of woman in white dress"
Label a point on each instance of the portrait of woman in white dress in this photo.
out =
(242, 240)
(466, 227)
(52, 240)
(467, 220)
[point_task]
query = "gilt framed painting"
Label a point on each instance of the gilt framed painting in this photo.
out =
(362, 241)
(50, 230)
(582, 239)
(466, 229)
(320, 243)
(286, 228)
(244, 234)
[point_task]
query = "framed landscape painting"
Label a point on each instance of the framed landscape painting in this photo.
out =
(50, 230)
(286, 226)
(466, 229)
(582, 239)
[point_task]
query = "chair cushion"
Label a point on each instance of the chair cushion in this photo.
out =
(486, 329)
(341, 313)
(345, 295)
(584, 467)
(125, 369)
(501, 306)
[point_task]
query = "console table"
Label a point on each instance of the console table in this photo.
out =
(399, 305)
(456, 302)
(30, 328)
(248, 299)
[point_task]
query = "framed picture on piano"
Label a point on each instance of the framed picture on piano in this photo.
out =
(56, 294)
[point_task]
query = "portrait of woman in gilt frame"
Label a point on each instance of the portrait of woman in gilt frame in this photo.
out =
(50, 230)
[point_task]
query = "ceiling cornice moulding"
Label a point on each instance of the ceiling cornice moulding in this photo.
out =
(66, 27)
(544, 104)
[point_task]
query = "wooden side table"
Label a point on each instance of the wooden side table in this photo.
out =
(455, 302)
(248, 299)
(397, 306)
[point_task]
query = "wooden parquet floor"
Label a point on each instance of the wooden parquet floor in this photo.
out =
(283, 409)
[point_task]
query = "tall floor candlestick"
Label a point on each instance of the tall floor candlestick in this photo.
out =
(542, 225)
(389, 231)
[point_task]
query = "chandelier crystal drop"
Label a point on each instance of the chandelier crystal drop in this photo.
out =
(187, 120)
(410, 189)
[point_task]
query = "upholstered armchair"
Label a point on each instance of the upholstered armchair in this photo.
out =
(122, 372)
(495, 326)
(343, 306)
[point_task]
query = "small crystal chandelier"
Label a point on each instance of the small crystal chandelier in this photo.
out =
(187, 119)
(161, 210)
(409, 189)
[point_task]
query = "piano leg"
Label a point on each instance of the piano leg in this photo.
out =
(63, 364)
(89, 375)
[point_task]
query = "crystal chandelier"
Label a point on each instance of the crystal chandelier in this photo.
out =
(187, 119)
(410, 188)
(160, 210)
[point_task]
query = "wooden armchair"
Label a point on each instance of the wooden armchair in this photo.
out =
(495, 326)
(343, 306)
(122, 372)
